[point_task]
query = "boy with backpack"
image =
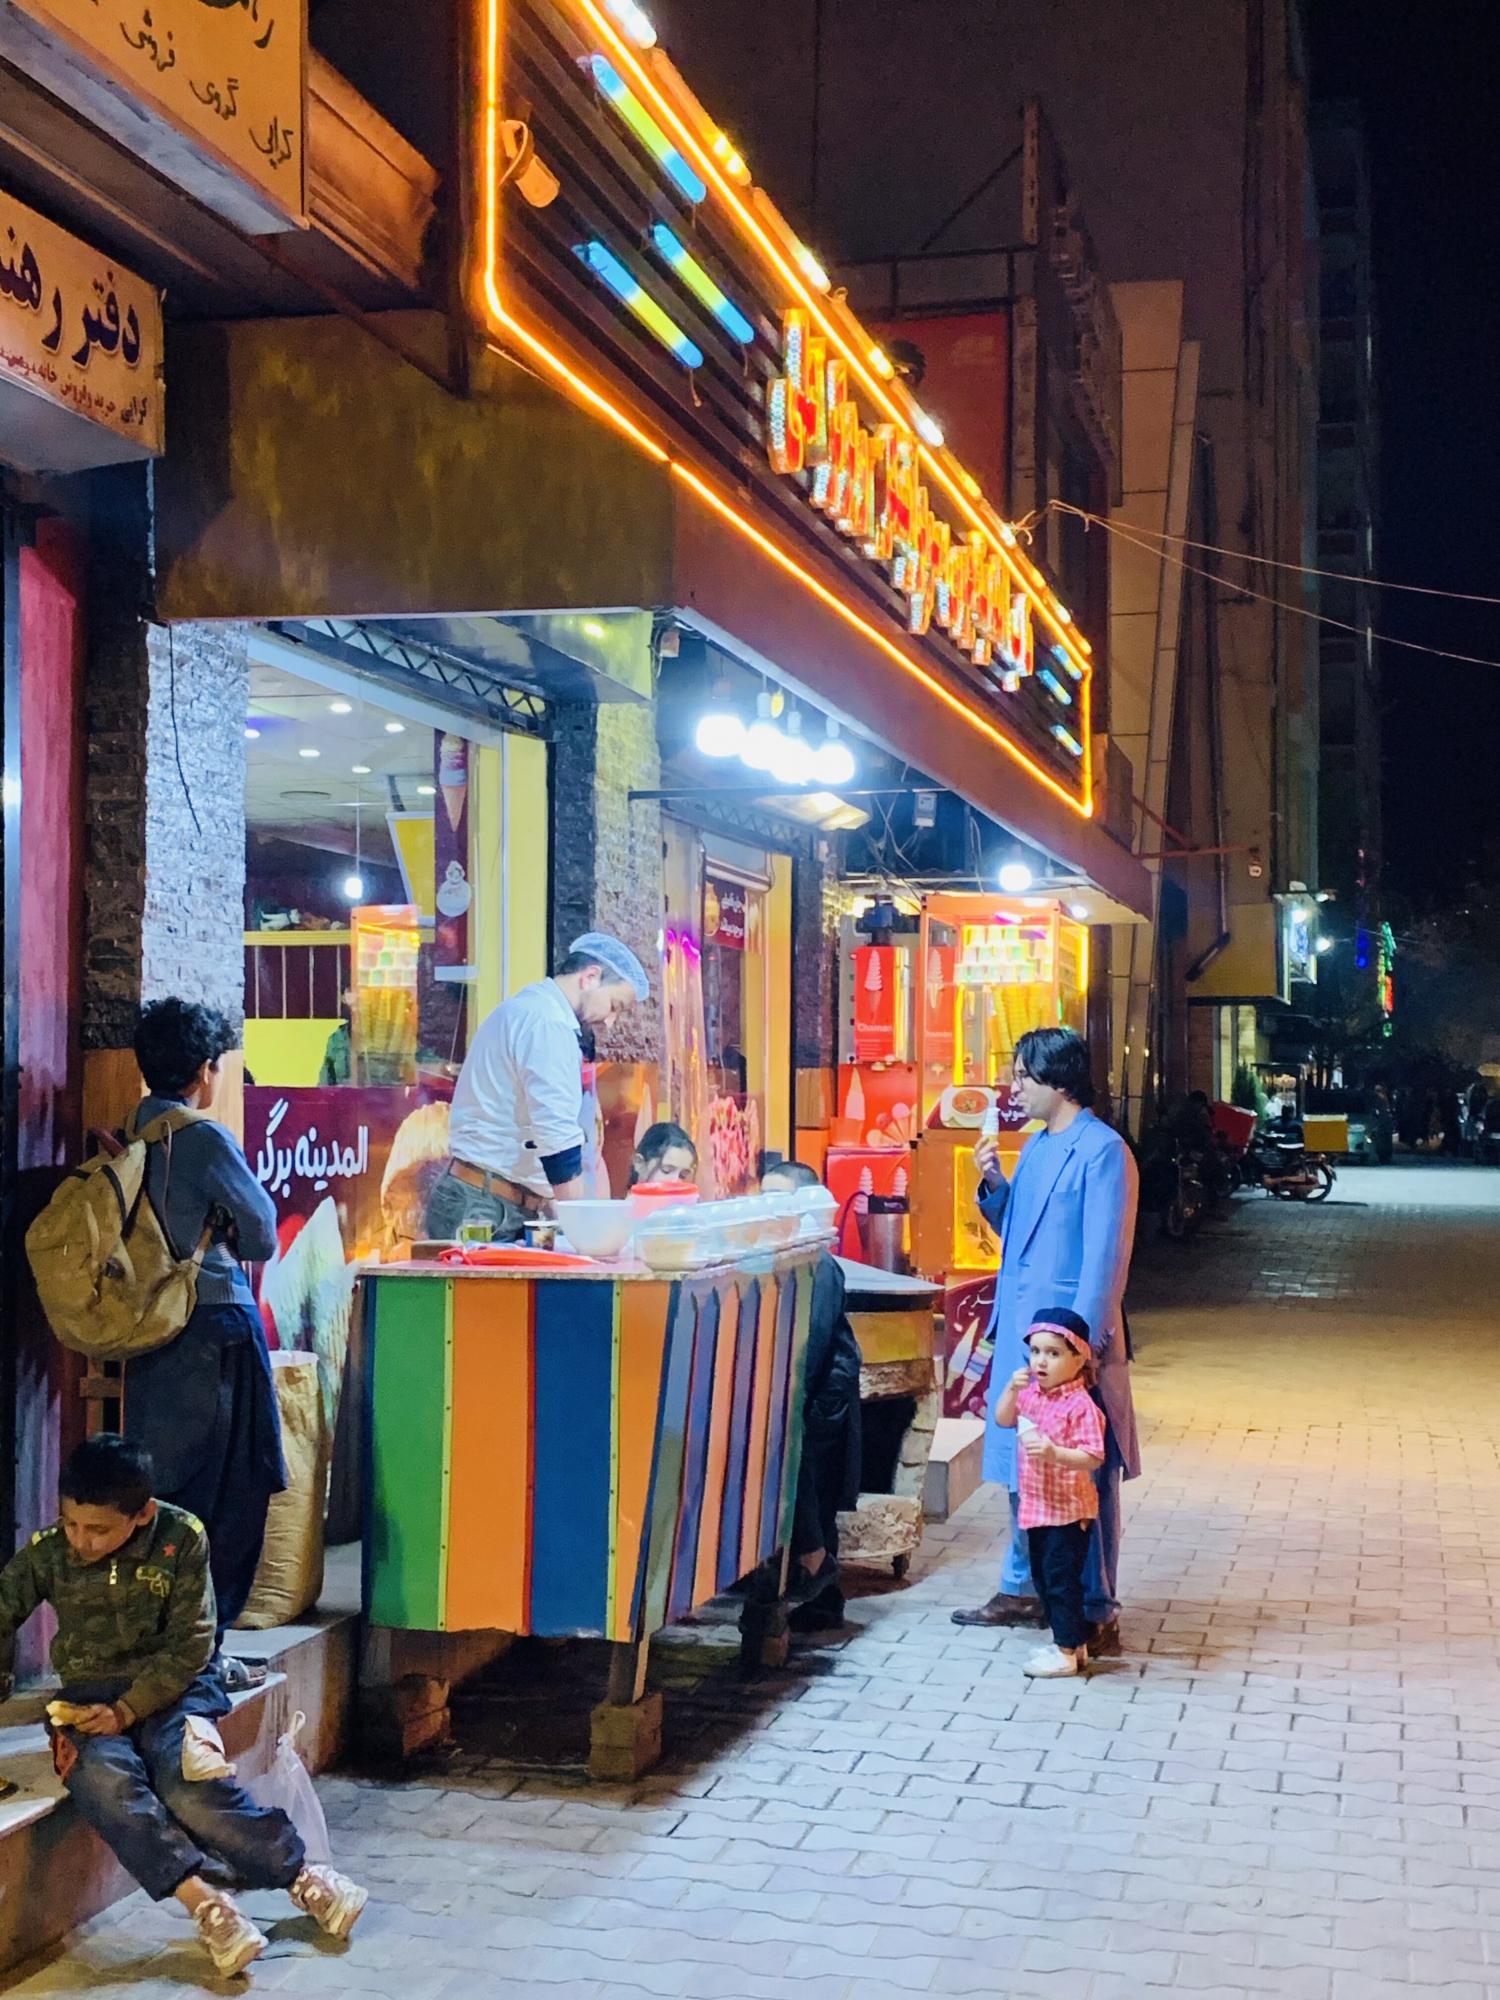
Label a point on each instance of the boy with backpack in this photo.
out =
(128, 1578)
(138, 1258)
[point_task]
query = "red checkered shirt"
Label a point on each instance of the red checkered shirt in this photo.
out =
(1053, 1495)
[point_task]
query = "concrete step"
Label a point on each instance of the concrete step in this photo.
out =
(54, 1873)
(954, 1471)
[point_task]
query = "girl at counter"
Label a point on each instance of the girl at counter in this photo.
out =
(666, 1154)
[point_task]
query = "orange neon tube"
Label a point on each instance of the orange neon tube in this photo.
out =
(597, 400)
(856, 357)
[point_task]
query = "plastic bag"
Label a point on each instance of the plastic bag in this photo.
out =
(287, 1787)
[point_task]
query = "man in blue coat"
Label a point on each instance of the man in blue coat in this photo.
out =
(1066, 1225)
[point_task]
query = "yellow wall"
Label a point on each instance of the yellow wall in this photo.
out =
(286, 1053)
(526, 847)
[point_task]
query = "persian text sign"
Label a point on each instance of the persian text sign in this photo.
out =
(225, 76)
(83, 335)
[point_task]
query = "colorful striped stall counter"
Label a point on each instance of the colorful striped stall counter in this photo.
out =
(578, 1455)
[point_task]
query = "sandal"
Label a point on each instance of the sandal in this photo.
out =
(239, 1676)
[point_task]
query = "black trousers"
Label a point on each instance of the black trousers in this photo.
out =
(1057, 1559)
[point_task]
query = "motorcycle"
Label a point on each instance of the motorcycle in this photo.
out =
(1287, 1171)
(1172, 1187)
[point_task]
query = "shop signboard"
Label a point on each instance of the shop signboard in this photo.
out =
(80, 351)
(726, 914)
(620, 226)
(210, 93)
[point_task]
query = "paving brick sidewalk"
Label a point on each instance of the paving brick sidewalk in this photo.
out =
(1291, 1785)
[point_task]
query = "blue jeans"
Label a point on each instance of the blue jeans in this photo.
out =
(454, 1202)
(163, 1827)
(1100, 1573)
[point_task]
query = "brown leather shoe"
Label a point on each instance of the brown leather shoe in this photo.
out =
(1104, 1640)
(1004, 1610)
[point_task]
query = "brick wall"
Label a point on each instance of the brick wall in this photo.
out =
(816, 906)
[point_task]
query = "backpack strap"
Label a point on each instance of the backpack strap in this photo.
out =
(159, 1131)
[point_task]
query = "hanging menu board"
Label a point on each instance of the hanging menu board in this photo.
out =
(211, 93)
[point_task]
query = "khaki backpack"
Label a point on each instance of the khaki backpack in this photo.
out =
(110, 1281)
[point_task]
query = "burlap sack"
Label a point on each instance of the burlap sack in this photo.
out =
(290, 1575)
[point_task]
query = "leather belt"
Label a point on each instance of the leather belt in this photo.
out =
(524, 1198)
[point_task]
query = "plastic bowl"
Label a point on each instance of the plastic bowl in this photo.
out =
(646, 1197)
(597, 1228)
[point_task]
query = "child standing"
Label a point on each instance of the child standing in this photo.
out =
(128, 1578)
(1062, 1447)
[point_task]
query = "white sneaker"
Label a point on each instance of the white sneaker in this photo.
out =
(232, 1940)
(330, 1899)
(1055, 1663)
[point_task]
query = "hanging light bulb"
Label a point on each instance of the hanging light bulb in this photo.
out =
(833, 760)
(763, 740)
(794, 757)
(635, 22)
(1015, 878)
(720, 733)
(354, 887)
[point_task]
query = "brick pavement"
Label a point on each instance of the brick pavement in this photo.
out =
(1291, 1784)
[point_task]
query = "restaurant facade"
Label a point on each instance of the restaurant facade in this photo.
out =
(585, 563)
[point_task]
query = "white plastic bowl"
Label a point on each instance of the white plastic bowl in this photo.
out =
(597, 1228)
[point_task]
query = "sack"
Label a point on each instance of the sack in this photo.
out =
(288, 1788)
(289, 1575)
(109, 1279)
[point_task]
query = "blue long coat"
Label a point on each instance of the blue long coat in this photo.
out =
(1066, 1225)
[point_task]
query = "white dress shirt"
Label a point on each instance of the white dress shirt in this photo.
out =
(519, 1096)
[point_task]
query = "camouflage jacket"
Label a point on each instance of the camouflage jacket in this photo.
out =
(144, 1616)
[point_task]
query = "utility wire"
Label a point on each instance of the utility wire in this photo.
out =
(1263, 597)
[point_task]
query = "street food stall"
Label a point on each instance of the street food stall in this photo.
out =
(571, 1448)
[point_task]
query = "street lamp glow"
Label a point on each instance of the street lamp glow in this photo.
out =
(1015, 878)
(1324, 944)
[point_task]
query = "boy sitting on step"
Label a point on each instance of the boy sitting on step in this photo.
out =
(128, 1578)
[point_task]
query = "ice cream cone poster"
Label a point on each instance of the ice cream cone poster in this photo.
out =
(874, 1003)
(450, 955)
(938, 1011)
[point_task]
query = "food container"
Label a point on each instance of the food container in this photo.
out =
(646, 1197)
(597, 1228)
(818, 1210)
(673, 1240)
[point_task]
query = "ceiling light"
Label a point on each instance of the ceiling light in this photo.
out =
(794, 760)
(308, 751)
(427, 791)
(341, 708)
(251, 735)
(1325, 944)
(593, 628)
(929, 431)
(395, 729)
(833, 760)
(1015, 878)
(354, 887)
(720, 733)
(1079, 912)
(360, 770)
(763, 740)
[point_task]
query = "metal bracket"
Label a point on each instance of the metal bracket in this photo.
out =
(370, 649)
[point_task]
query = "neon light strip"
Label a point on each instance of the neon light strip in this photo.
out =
(1066, 661)
(1068, 742)
(639, 120)
(855, 353)
(702, 286)
(1054, 686)
(607, 267)
(538, 351)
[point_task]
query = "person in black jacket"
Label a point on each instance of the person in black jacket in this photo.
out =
(829, 1476)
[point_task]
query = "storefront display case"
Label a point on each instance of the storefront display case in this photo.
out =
(991, 968)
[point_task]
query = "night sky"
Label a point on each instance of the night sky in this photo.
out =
(1425, 76)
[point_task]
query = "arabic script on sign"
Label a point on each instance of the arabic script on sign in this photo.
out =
(228, 73)
(79, 331)
(319, 1162)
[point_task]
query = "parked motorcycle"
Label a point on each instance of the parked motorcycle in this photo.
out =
(1172, 1187)
(1287, 1171)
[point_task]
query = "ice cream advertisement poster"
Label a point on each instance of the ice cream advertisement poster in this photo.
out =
(451, 860)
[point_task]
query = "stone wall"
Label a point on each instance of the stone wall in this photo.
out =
(606, 851)
(164, 865)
